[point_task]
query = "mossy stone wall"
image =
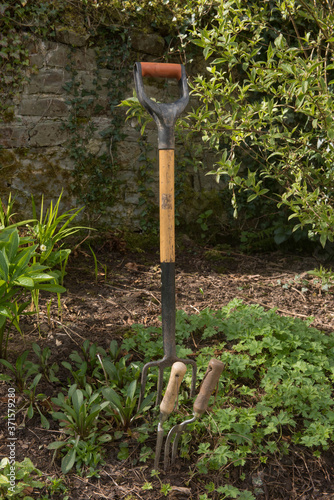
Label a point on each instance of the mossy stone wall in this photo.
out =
(64, 131)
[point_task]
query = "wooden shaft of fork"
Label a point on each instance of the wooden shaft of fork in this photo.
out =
(167, 205)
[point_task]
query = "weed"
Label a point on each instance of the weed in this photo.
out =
(20, 372)
(79, 420)
(326, 277)
(49, 371)
(125, 407)
(80, 410)
(18, 477)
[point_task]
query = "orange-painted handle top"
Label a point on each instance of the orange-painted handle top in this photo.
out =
(162, 70)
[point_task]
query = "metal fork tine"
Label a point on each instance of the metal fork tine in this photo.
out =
(161, 364)
(160, 383)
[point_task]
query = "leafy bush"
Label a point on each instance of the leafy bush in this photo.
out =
(266, 106)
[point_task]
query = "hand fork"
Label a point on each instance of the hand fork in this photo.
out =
(210, 380)
(165, 116)
(168, 403)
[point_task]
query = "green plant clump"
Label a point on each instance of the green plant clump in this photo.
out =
(17, 478)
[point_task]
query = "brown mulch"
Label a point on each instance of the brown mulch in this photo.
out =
(125, 291)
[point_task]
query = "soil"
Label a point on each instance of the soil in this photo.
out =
(101, 307)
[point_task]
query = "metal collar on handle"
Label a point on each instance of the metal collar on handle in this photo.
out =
(164, 115)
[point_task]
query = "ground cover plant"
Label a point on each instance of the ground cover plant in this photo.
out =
(275, 393)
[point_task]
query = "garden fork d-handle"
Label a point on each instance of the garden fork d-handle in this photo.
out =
(165, 115)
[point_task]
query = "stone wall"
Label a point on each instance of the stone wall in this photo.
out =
(35, 156)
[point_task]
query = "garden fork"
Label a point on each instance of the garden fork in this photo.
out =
(165, 116)
(210, 380)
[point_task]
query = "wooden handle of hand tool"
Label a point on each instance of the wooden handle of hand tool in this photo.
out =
(176, 376)
(210, 380)
(161, 70)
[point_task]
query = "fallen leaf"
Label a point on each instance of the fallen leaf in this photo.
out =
(131, 266)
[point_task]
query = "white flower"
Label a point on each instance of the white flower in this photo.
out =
(42, 248)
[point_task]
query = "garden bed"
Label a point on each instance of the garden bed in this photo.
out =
(103, 302)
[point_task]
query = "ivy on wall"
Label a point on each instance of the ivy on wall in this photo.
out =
(94, 151)
(20, 21)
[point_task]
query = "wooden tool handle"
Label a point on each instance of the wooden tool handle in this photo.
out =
(210, 380)
(176, 376)
(167, 205)
(161, 70)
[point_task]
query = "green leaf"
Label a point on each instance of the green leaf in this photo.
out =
(132, 389)
(113, 397)
(25, 282)
(13, 245)
(4, 265)
(44, 421)
(30, 412)
(323, 239)
(56, 445)
(77, 399)
(68, 461)
(50, 287)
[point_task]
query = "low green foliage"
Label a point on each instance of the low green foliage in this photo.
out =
(125, 407)
(79, 411)
(21, 371)
(276, 387)
(275, 390)
(26, 477)
(25, 376)
(49, 370)
(78, 416)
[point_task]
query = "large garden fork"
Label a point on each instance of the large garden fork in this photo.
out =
(165, 116)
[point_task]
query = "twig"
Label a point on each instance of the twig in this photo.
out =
(300, 293)
(94, 486)
(66, 329)
(192, 336)
(125, 490)
(143, 290)
(116, 304)
(193, 307)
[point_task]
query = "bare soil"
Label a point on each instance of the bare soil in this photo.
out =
(101, 308)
